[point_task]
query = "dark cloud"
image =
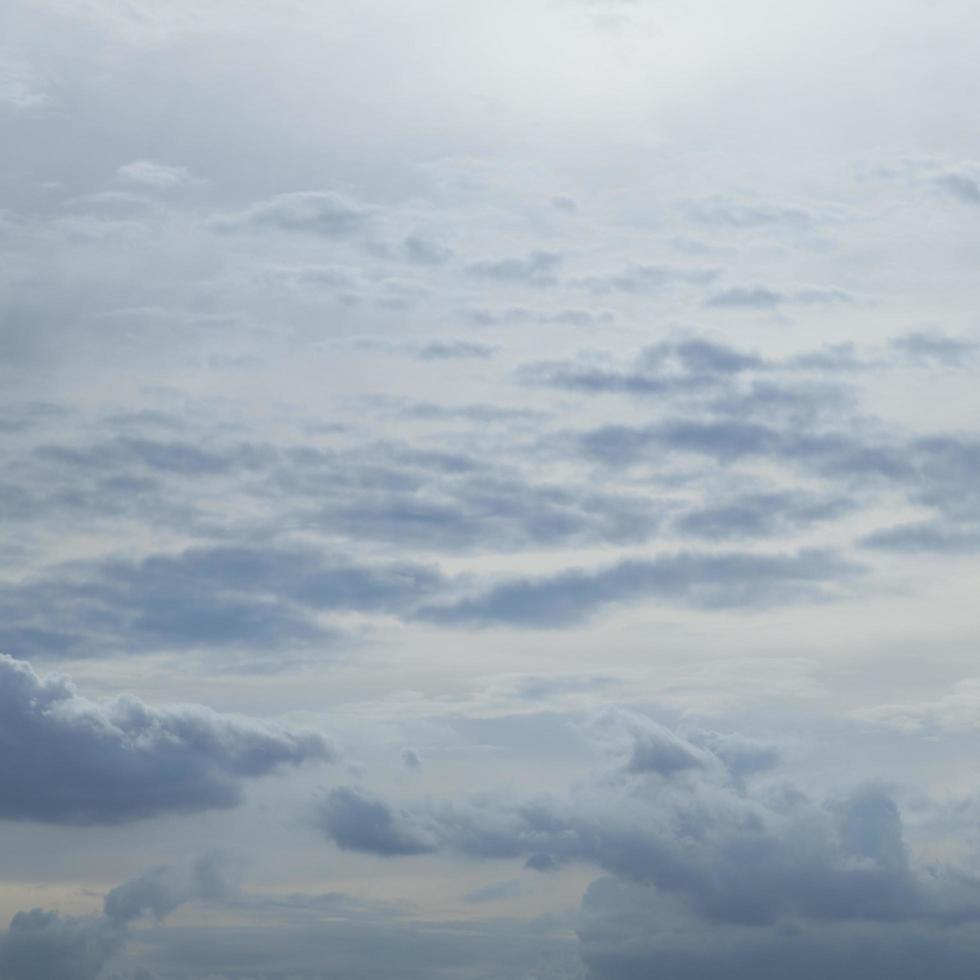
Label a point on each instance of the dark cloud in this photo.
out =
(358, 821)
(706, 581)
(67, 760)
(424, 251)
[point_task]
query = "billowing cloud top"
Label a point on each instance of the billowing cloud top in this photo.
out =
(72, 761)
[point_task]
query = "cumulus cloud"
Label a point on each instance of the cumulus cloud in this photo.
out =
(43, 945)
(697, 826)
(69, 760)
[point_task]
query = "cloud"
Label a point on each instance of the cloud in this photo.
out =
(761, 298)
(697, 822)
(755, 515)
(540, 268)
(151, 173)
(925, 536)
(961, 187)
(163, 889)
(720, 213)
(497, 892)
(42, 945)
(570, 317)
(240, 598)
(706, 581)
(331, 214)
(928, 347)
(439, 350)
(424, 251)
(68, 760)
(21, 88)
(744, 297)
(629, 932)
(645, 279)
(358, 821)
(671, 367)
(956, 712)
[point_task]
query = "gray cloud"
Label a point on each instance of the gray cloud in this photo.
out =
(424, 251)
(152, 173)
(540, 268)
(722, 213)
(961, 187)
(760, 515)
(250, 598)
(645, 278)
(42, 945)
(358, 821)
(439, 350)
(739, 297)
(692, 819)
(570, 317)
(629, 932)
(69, 760)
(328, 213)
(706, 581)
(935, 348)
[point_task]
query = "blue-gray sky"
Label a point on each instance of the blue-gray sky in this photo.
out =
(489, 491)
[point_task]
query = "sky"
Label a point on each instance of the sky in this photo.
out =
(489, 491)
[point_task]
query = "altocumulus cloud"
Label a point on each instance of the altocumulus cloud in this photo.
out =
(68, 760)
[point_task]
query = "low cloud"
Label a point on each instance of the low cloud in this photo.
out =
(68, 760)
(42, 945)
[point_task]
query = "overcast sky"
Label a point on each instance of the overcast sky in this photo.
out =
(489, 491)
